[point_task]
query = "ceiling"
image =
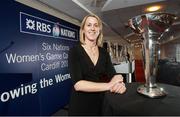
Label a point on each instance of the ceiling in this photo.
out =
(116, 13)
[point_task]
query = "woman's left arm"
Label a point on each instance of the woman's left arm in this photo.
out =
(118, 87)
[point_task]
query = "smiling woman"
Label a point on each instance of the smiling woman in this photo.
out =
(88, 63)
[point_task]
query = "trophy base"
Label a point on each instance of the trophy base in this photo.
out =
(151, 92)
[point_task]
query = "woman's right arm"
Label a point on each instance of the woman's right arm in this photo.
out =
(83, 85)
(89, 86)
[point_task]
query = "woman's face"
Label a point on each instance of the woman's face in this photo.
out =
(91, 29)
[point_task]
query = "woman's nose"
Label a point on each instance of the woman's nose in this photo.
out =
(92, 28)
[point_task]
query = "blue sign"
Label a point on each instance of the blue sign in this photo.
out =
(38, 26)
(34, 76)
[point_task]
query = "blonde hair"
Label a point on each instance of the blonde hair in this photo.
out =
(100, 37)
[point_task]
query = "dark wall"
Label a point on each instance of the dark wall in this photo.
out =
(169, 65)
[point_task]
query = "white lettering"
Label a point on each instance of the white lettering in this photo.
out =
(60, 47)
(48, 28)
(50, 56)
(67, 33)
(15, 93)
(38, 26)
(60, 78)
(47, 67)
(46, 46)
(43, 27)
(13, 58)
(5, 97)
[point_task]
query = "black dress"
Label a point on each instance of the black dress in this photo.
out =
(82, 68)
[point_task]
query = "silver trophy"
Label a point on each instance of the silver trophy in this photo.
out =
(151, 27)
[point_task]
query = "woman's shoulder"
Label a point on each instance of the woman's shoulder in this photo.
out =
(103, 50)
(75, 48)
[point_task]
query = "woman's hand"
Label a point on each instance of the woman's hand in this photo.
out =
(118, 88)
(117, 85)
(116, 79)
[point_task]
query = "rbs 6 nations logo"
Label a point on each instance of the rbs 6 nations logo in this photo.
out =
(38, 26)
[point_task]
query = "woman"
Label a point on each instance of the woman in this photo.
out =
(88, 63)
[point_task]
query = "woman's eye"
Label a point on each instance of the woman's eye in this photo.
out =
(89, 25)
(96, 25)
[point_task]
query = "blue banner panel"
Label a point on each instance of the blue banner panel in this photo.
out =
(34, 76)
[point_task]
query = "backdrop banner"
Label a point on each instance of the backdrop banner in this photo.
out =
(34, 76)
